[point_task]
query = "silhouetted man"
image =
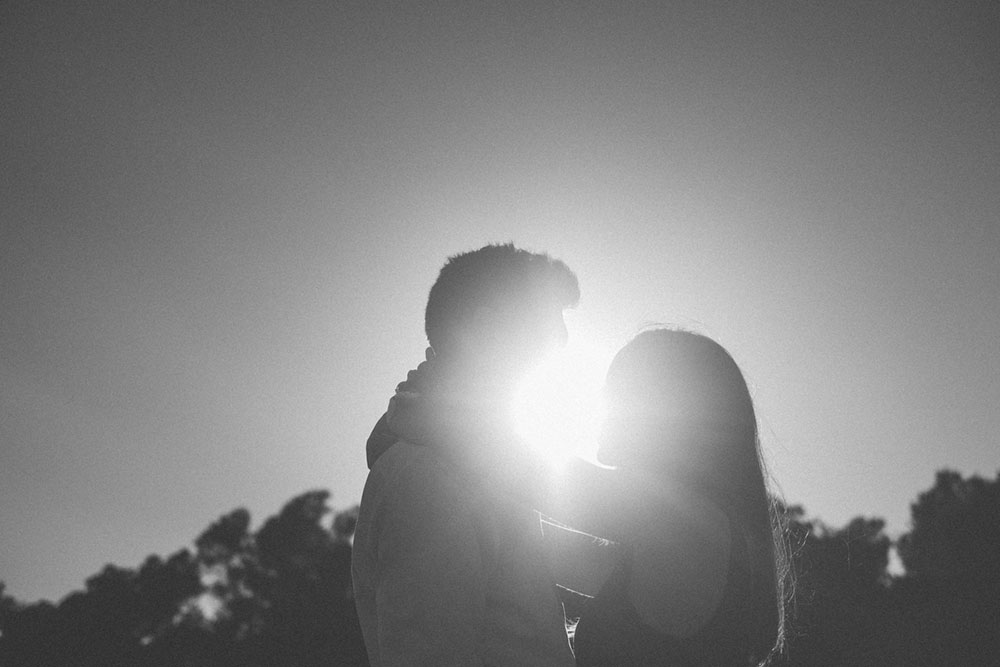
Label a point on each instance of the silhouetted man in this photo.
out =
(448, 566)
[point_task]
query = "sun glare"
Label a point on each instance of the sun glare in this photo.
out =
(557, 408)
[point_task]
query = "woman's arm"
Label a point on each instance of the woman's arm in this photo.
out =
(591, 499)
(579, 561)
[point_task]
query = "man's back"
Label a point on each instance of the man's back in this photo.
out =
(447, 572)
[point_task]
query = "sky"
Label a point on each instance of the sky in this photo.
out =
(219, 223)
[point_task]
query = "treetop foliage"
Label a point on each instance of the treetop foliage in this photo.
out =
(278, 595)
(955, 528)
(281, 594)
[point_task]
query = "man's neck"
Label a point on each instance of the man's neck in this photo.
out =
(479, 379)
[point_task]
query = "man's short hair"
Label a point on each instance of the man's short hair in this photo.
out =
(502, 277)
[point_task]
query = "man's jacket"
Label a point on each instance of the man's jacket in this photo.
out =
(448, 565)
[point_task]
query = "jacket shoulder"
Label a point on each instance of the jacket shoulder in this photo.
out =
(413, 481)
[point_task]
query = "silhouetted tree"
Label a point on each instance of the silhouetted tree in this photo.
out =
(311, 619)
(30, 635)
(955, 528)
(282, 595)
(945, 610)
(277, 597)
(107, 624)
(948, 604)
(840, 591)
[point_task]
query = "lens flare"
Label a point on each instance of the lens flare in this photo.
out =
(557, 407)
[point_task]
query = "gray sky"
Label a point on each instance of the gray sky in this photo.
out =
(218, 226)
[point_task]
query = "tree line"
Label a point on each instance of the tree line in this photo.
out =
(281, 594)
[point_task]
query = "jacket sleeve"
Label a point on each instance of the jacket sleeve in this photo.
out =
(430, 584)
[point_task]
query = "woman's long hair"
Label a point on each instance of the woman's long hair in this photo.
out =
(678, 405)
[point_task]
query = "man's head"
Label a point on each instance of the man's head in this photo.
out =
(500, 302)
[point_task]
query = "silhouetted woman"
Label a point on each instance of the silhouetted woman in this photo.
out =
(699, 576)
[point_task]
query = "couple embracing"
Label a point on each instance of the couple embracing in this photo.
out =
(467, 552)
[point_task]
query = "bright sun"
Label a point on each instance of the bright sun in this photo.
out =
(557, 408)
